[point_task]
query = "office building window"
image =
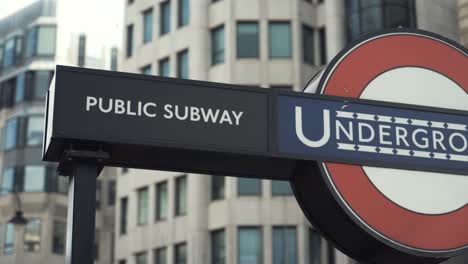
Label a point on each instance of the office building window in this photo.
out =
(34, 178)
(58, 237)
(9, 241)
(217, 45)
(11, 139)
(142, 217)
(165, 18)
(1, 55)
(218, 247)
(323, 46)
(315, 255)
(181, 195)
(20, 90)
(114, 59)
(371, 16)
(146, 70)
(35, 131)
(111, 193)
(123, 215)
(148, 25)
(183, 12)
(41, 82)
(308, 46)
(180, 253)
(160, 256)
(249, 244)
(62, 183)
(8, 181)
(82, 50)
(164, 67)
(129, 35)
(217, 187)
(161, 201)
(46, 41)
(31, 40)
(247, 40)
(141, 258)
(279, 39)
(9, 57)
(281, 188)
(183, 64)
(284, 245)
(98, 195)
(249, 187)
(32, 235)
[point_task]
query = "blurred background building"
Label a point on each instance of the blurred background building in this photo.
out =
(180, 218)
(168, 217)
(32, 41)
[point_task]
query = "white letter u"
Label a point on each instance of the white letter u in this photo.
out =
(300, 132)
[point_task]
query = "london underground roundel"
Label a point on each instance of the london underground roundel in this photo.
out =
(393, 215)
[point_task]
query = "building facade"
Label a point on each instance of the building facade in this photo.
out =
(463, 21)
(170, 217)
(32, 41)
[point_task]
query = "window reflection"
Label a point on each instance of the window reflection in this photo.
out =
(32, 235)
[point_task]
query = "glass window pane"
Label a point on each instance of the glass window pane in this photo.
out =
(218, 247)
(160, 256)
(8, 181)
(161, 201)
(32, 235)
(314, 247)
(217, 45)
(323, 46)
(46, 41)
(111, 193)
(35, 130)
(183, 64)
(41, 84)
(181, 254)
(397, 16)
(141, 258)
(143, 206)
(148, 26)
(146, 70)
(1, 55)
(20, 87)
(181, 195)
(31, 42)
(165, 19)
(164, 68)
(34, 178)
(281, 188)
(217, 187)
(9, 57)
(9, 241)
(247, 40)
(249, 245)
(372, 19)
(129, 35)
(184, 12)
(123, 215)
(247, 186)
(308, 45)
(11, 133)
(284, 245)
(280, 40)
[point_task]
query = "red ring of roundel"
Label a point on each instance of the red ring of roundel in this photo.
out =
(434, 233)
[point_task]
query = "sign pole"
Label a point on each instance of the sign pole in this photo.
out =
(81, 212)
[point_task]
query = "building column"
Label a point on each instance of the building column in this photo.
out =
(197, 216)
(335, 27)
